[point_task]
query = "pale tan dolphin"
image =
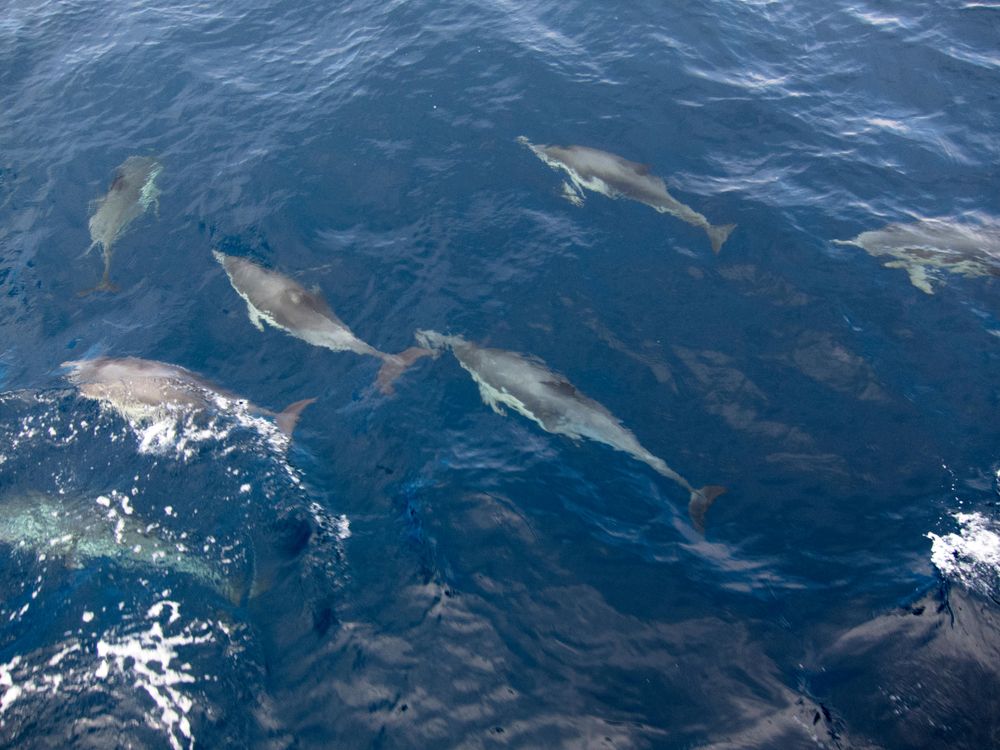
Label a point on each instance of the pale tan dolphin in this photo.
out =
(282, 302)
(613, 176)
(139, 388)
(133, 190)
(549, 400)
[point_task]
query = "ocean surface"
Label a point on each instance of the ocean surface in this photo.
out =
(418, 569)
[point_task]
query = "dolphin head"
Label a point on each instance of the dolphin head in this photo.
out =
(82, 370)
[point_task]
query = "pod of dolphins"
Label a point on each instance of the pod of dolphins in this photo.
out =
(143, 389)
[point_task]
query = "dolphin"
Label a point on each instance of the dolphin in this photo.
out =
(143, 388)
(77, 532)
(924, 248)
(613, 176)
(274, 298)
(133, 190)
(530, 388)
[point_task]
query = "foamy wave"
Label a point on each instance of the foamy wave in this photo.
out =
(153, 662)
(172, 431)
(179, 432)
(972, 555)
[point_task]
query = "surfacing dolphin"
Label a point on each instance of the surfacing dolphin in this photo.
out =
(139, 389)
(282, 302)
(133, 190)
(530, 388)
(613, 176)
(77, 531)
(928, 246)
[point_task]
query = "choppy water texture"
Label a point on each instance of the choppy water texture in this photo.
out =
(417, 570)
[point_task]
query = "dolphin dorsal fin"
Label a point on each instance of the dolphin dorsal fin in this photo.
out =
(563, 387)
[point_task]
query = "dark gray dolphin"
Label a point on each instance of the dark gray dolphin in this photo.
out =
(133, 190)
(927, 247)
(613, 176)
(530, 388)
(282, 302)
(141, 388)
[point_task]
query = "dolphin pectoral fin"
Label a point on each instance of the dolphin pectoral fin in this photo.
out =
(718, 235)
(573, 195)
(701, 501)
(255, 318)
(261, 585)
(917, 273)
(289, 416)
(489, 398)
(395, 365)
(90, 247)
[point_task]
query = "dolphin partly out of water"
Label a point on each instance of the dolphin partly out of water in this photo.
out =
(133, 190)
(530, 388)
(77, 532)
(139, 389)
(926, 247)
(613, 176)
(282, 302)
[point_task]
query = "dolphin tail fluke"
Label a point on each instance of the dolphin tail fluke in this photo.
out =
(104, 286)
(701, 501)
(395, 365)
(289, 416)
(718, 235)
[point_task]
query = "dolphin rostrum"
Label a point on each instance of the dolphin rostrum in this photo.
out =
(77, 532)
(528, 387)
(274, 298)
(133, 190)
(143, 388)
(613, 176)
(925, 247)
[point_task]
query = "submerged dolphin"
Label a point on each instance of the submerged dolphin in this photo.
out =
(77, 532)
(928, 246)
(613, 176)
(285, 304)
(143, 388)
(132, 192)
(554, 404)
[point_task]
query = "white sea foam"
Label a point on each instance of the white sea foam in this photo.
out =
(150, 661)
(970, 556)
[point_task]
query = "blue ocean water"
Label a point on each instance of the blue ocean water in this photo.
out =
(418, 570)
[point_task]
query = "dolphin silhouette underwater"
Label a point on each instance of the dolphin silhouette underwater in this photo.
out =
(283, 303)
(927, 247)
(611, 175)
(77, 532)
(549, 400)
(133, 190)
